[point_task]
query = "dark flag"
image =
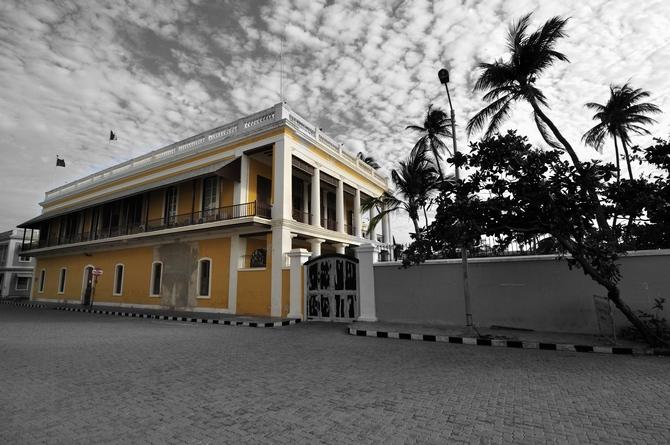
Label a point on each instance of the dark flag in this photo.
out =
(112, 136)
(60, 162)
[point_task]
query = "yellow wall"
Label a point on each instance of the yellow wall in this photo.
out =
(156, 204)
(226, 192)
(137, 273)
(219, 251)
(185, 201)
(285, 291)
(253, 286)
(257, 169)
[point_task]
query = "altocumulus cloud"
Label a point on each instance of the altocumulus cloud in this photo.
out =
(158, 71)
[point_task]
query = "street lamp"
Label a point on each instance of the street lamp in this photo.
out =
(443, 75)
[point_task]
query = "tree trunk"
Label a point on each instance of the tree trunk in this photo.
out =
(425, 215)
(618, 181)
(600, 214)
(618, 167)
(612, 293)
(417, 231)
(625, 150)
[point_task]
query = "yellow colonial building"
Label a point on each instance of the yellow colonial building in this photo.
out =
(205, 224)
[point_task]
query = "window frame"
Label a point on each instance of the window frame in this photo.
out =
(209, 281)
(153, 277)
(167, 204)
(62, 280)
(24, 261)
(123, 277)
(42, 281)
(16, 283)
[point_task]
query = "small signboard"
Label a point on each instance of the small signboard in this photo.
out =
(97, 271)
(604, 318)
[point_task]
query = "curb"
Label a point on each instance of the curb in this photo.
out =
(250, 324)
(30, 305)
(516, 344)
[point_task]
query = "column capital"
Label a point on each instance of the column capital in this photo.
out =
(298, 254)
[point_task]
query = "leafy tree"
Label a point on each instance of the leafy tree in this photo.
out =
(516, 193)
(437, 124)
(622, 115)
(368, 160)
(415, 182)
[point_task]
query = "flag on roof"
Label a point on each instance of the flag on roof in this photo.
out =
(60, 162)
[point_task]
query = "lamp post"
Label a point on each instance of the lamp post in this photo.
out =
(443, 75)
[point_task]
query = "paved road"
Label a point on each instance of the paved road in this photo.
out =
(81, 378)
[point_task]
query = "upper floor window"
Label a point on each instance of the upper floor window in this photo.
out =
(204, 277)
(24, 259)
(43, 277)
(209, 195)
(61, 280)
(170, 203)
(118, 279)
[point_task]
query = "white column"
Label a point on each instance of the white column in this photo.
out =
(281, 177)
(316, 197)
(305, 202)
(339, 206)
(298, 258)
(340, 248)
(325, 208)
(371, 234)
(315, 244)
(386, 229)
(367, 254)
(281, 244)
(357, 214)
(232, 273)
(240, 189)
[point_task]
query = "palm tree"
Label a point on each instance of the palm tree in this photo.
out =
(436, 125)
(414, 180)
(508, 81)
(368, 160)
(621, 115)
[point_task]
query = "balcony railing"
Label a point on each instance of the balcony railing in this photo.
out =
(187, 219)
(329, 224)
(300, 216)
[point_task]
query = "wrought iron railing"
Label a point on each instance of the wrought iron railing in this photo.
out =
(226, 213)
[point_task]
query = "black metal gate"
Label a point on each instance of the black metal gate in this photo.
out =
(331, 288)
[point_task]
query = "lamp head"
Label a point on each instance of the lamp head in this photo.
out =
(443, 74)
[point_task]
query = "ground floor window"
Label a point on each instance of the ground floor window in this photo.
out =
(204, 277)
(43, 276)
(22, 283)
(61, 280)
(156, 277)
(118, 279)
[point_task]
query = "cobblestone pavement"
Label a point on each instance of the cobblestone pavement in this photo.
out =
(81, 378)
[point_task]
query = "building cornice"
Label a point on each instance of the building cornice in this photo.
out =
(245, 127)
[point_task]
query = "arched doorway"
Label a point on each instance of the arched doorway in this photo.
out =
(331, 284)
(87, 285)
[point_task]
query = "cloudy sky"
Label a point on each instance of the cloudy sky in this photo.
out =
(158, 71)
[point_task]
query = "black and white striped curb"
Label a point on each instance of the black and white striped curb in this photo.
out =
(250, 324)
(24, 304)
(518, 344)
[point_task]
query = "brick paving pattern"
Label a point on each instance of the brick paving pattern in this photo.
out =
(84, 378)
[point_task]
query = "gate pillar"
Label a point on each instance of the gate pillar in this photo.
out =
(367, 254)
(298, 257)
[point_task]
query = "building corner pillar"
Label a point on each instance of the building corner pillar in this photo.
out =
(367, 254)
(281, 244)
(298, 257)
(316, 197)
(357, 214)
